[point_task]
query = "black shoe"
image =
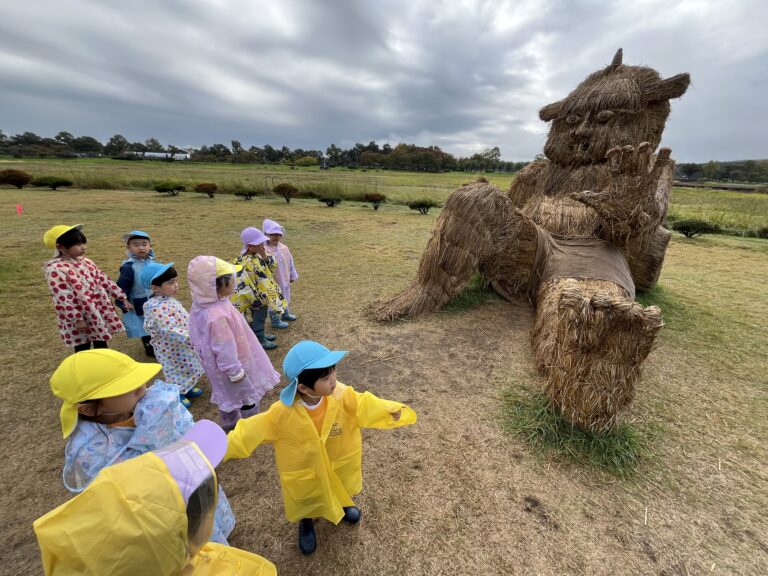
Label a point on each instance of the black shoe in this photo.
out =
(307, 538)
(149, 351)
(352, 514)
(270, 337)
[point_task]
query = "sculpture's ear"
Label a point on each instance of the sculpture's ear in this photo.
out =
(673, 87)
(551, 111)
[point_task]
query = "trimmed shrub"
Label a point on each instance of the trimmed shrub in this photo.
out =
(286, 191)
(245, 194)
(423, 205)
(208, 188)
(15, 178)
(51, 182)
(172, 188)
(375, 199)
(330, 202)
(762, 232)
(691, 228)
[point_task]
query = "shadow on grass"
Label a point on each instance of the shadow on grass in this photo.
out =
(476, 293)
(676, 314)
(527, 414)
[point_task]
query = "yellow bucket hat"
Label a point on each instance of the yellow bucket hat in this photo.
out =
(53, 234)
(96, 374)
(223, 268)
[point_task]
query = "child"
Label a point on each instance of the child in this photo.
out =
(140, 253)
(109, 415)
(237, 367)
(285, 274)
(150, 515)
(166, 321)
(256, 287)
(315, 430)
(82, 294)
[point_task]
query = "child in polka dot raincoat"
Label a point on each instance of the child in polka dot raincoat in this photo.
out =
(166, 321)
(82, 294)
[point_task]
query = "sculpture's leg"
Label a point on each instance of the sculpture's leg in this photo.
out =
(590, 341)
(645, 259)
(478, 230)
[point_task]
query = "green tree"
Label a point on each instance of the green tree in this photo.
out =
(153, 145)
(64, 138)
(117, 145)
(87, 145)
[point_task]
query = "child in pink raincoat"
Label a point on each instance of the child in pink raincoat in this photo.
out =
(236, 365)
(285, 274)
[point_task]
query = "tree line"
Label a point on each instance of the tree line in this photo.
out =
(735, 171)
(371, 155)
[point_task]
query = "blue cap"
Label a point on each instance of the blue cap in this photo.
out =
(151, 271)
(306, 354)
(135, 234)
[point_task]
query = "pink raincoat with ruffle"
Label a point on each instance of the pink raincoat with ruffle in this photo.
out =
(225, 342)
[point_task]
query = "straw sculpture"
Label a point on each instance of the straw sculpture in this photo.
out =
(576, 234)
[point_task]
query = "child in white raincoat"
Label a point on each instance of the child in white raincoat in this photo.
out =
(167, 323)
(315, 431)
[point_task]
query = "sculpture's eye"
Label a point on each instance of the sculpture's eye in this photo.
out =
(572, 119)
(605, 115)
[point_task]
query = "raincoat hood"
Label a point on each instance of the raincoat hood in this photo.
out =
(272, 227)
(201, 275)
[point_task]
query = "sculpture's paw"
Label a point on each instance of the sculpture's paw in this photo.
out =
(411, 302)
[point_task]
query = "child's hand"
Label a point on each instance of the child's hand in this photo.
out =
(128, 305)
(81, 325)
(237, 377)
(396, 415)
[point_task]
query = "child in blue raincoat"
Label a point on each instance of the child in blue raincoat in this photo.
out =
(140, 253)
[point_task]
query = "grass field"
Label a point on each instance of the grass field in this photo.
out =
(461, 492)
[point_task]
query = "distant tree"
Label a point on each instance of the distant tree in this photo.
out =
(285, 190)
(422, 206)
(87, 145)
(3, 138)
(15, 178)
(52, 182)
(712, 170)
(172, 188)
(26, 139)
(691, 228)
(237, 148)
(375, 198)
(331, 202)
(139, 147)
(64, 138)
(117, 145)
(333, 153)
(307, 161)
(386, 149)
(208, 188)
(153, 145)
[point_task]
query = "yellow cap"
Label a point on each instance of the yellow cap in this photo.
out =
(50, 237)
(223, 268)
(96, 374)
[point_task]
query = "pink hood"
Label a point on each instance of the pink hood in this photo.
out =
(201, 275)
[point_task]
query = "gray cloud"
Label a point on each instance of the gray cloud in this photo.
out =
(464, 76)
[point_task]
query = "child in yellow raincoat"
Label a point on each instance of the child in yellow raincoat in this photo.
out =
(149, 515)
(315, 430)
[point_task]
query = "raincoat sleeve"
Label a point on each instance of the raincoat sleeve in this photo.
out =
(374, 412)
(249, 434)
(224, 348)
(124, 283)
(293, 275)
(160, 420)
(62, 292)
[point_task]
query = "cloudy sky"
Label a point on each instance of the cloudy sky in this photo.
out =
(461, 74)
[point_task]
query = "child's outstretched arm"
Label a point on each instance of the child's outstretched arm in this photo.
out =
(375, 412)
(249, 434)
(121, 287)
(224, 350)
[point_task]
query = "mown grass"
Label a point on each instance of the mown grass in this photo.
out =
(737, 213)
(527, 414)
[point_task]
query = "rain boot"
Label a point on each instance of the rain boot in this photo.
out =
(276, 321)
(288, 315)
(229, 419)
(307, 537)
(258, 318)
(249, 410)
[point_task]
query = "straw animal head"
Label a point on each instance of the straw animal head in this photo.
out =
(616, 106)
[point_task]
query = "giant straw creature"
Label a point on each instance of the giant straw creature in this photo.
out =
(575, 234)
